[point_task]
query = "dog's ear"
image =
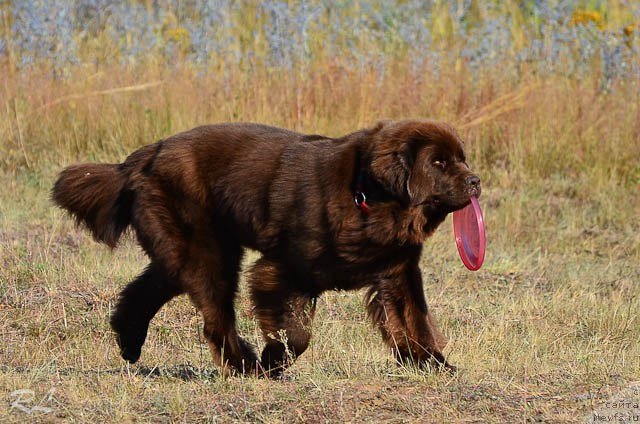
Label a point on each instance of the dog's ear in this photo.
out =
(393, 154)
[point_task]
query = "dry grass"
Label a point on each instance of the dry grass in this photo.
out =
(547, 329)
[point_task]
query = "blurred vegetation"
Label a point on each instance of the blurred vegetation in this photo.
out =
(541, 36)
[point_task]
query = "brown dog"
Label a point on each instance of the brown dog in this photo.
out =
(325, 213)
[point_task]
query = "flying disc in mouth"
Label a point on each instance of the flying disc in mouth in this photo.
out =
(468, 228)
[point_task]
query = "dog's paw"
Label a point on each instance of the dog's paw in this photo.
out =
(130, 338)
(440, 364)
(448, 368)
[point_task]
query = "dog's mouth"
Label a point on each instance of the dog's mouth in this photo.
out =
(449, 203)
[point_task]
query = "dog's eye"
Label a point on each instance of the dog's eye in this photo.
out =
(440, 164)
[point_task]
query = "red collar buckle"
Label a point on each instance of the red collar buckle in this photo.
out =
(361, 202)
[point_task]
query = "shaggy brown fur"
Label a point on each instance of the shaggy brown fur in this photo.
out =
(196, 199)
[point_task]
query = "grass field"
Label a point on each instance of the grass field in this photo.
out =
(547, 330)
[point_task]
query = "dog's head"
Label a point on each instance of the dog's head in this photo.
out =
(423, 164)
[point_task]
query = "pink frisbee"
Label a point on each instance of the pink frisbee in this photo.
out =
(468, 228)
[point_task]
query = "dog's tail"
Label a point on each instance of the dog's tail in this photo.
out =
(95, 194)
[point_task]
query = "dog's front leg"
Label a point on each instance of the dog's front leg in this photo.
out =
(397, 306)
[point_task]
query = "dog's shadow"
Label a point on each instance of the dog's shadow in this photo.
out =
(185, 372)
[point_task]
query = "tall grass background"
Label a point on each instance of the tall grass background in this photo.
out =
(546, 95)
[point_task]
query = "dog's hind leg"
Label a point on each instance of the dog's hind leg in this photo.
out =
(186, 239)
(139, 302)
(284, 315)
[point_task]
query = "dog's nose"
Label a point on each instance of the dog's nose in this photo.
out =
(473, 180)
